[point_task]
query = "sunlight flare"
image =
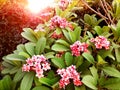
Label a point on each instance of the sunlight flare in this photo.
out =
(36, 6)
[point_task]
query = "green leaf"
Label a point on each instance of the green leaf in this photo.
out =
(51, 74)
(67, 36)
(79, 61)
(111, 71)
(21, 48)
(40, 46)
(27, 81)
(14, 70)
(72, 36)
(112, 84)
(30, 48)
(15, 57)
(24, 54)
(49, 55)
(100, 60)
(59, 47)
(98, 30)
(90, 34)
(87, 19)
(63, 42)
(94, 72)
(77, 32)
(80, 87)
(41, 88)
(104, 53)
(68, 58)
(90, 82)
(6, 83)
(45, 81)
(118, 27)
(59, 62)
(117, 54)
(19, 75)
(115, 45)
(88, 57)
(29, 35)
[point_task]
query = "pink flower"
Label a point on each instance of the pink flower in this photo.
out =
(63, 4)
(101, 42)
(39, 72)
(46, 66)
(26, 68)
(57, 21)
(77, 48)
(37, 63)
(29, 62)
(68, 74)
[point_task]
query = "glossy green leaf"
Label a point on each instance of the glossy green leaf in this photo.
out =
(117, 54)
(68, 58)
(90, 82)
(27, 81)
(72, 36)
(79, 61)
(112, 84)
(29, 36)
(30, 48)
(77, 32)
(15, 57)
(63, 42)
(94, 72)
(100, 60)
(6, 83)
(19, 75)
(59, 47)
(67, 36)
(118, 27)
(49, 55)
(58, 62)
(21, 48)
(24, 54)
(87, 19)
(80, 87)
(98, 30)
(88, 57)
(45, 81)
(111, 71)
(40, 46)
(14, 70)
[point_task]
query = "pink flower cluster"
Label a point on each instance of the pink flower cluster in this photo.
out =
(78, 47)
(63, 4)
(100, 42)
(57, 21)
(68, 74)
(38, 64)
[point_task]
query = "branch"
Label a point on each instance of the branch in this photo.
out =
(85, 3)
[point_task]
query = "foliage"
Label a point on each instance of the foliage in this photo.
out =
(80, 58)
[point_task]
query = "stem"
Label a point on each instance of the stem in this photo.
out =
(85, 3)
(105, 8)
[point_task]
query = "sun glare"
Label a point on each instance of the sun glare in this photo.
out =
(36, 6)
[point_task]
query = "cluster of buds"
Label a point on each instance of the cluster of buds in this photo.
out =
(68, 74)
(59, 54)
(100, 42)
(63, 4)
(57, 21)
(77, 48)
(38, 64)
(56, 36)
